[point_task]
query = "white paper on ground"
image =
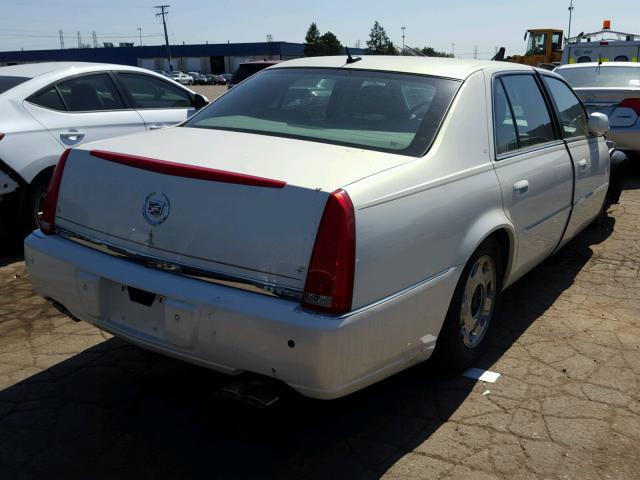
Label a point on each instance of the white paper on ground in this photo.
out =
(482, 375)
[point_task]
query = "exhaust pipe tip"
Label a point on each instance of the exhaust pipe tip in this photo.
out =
(255, 392)
(62, 309)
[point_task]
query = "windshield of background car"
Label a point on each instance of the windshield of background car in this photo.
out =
(390, 112)
(601, 76)
(7, 83)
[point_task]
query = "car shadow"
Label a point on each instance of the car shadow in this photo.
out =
(117, 411)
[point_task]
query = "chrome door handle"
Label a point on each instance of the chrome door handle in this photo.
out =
(521, 186)
(72, 135)
(582, 164)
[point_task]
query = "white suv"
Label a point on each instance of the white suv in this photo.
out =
(47, 107)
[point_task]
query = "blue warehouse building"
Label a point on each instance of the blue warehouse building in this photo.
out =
(205, 58)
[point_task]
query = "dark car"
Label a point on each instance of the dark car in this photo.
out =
(245, 70)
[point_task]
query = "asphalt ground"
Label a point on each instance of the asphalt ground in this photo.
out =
(77, 403)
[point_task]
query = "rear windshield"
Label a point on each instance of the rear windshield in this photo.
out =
(7, 83)
(391, 112)
(247, 69)
(601, 76)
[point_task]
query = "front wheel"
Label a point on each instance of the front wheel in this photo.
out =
(466, 330)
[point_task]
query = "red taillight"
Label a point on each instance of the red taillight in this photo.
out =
(48, 220)
(632, 103)
(329, 285)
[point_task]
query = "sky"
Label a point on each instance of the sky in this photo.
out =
(467, 24)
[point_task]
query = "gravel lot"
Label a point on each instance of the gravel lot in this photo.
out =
(76, 403)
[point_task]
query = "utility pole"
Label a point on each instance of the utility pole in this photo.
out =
(402, 52)
(94, 37)
(571, 7)
(61, 39)
(357, 44)
(140, 32)
(79, 40)
(163, 13)
(475, 52)
(453, 50)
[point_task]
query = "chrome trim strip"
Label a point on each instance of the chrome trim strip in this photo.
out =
(168, 266)
(171, 251)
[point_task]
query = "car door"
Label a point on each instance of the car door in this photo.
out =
(83, 108)
(533, 168)
(160, 103)
(589, 153)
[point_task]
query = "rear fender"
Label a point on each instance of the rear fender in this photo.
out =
(485, 226)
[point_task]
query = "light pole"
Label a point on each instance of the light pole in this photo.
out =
(140, 32)
(453, 50)
(402, 52)
(570, 13)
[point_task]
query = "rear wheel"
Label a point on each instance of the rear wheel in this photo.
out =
(32, 203)
(466, 330)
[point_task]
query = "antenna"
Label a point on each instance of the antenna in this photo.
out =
(351, 59)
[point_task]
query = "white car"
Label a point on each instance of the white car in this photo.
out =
(47, 107)
(612, 88)
(326, 241)
(182, 78)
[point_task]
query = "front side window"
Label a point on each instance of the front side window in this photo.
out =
(533, 122)
(90, 93)
(556, 42)
(392, 112)
(149, 92)
(571, 114)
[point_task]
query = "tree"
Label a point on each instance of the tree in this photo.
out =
(379, 43)
(330, 45)
(312, 41)
(430, 52)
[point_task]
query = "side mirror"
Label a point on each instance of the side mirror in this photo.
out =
(598, 123)
(200, 101)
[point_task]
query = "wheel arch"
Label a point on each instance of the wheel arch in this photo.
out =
(496, 225)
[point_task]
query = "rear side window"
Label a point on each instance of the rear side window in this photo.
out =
(7, 82)
(90, 93)
(533, 122)
(49, 98)
(505, 128)
(149, 92)
(571, 114)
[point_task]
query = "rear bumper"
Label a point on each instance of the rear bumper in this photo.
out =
(232, 331)
(627, 139)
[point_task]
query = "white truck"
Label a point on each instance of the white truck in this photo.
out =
(603, 46)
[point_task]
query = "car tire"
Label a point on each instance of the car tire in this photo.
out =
(32, 201)
(475, 301)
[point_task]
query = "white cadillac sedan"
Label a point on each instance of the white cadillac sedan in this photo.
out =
(325, 223)
(47, 107)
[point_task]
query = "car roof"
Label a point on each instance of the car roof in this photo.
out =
(436, 66)
(596, 64)
(32, 70)
(45, 73)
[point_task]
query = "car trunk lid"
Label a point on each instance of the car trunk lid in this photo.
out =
(608, 101)
(210, 201)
